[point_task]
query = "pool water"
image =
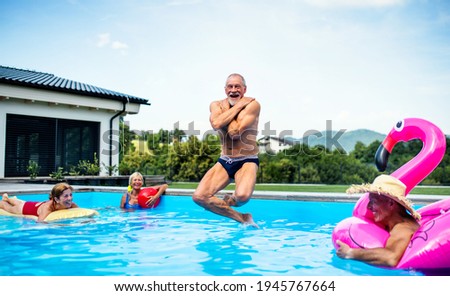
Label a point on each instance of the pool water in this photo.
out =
(179, 238)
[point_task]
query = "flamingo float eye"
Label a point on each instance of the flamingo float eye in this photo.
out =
(399, 126)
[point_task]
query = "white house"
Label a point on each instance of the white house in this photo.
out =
(57, 122)
(273, 145)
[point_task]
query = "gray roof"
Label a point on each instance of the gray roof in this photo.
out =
(285, 140)
(51, 82)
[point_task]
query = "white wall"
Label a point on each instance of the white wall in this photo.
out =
(2, 140)
(31, 102)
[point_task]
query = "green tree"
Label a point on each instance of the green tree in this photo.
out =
(309, 174)
(365, 154)
(125, 138)
(284, 171)
(189, 161)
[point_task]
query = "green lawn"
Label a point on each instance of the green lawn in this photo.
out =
(315, 188)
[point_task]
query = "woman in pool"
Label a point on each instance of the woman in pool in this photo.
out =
(130, 198)
(60, 198)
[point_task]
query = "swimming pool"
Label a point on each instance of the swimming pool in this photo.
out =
(179, 238)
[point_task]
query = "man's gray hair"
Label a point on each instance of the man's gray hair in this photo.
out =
(238, 75)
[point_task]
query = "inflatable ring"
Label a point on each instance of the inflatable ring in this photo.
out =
(430, 245)
(57, 215)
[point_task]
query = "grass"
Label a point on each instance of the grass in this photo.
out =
(423, 190)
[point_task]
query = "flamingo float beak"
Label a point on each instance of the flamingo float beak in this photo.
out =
(383, 153)
(382, 158)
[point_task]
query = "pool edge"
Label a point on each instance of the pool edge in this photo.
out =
(16, 189)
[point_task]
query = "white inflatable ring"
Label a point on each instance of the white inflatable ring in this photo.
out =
(58, 215)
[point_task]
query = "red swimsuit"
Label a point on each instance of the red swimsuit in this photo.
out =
(31, 208)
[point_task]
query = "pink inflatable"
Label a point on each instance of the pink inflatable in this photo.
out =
(430, 246)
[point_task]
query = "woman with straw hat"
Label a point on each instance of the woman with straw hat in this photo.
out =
(392, 211)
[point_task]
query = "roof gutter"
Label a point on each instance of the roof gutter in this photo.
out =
(124, 107)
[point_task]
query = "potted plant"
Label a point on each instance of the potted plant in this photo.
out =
(58, 176)
(33, 169)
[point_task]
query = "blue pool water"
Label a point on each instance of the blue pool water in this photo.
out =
(179, 238)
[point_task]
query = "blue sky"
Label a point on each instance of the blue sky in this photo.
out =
(359, 63)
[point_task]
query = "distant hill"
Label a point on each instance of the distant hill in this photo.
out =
(347, 139)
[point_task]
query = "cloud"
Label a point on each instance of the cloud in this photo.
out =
(103, 39)
(344, 115)
(354, 3)
(119, 45)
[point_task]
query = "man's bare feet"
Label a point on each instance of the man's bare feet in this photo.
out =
(248, 220)
(5, 197)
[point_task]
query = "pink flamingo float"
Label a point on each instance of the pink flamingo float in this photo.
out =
(430, 245)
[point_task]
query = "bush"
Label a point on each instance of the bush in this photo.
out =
(33, 169)
(58, 175)
(85, 167)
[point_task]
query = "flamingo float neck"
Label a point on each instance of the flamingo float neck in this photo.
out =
(418, 168)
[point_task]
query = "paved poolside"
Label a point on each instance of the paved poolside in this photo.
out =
(21, 188)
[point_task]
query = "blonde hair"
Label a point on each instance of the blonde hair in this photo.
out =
(133, 175)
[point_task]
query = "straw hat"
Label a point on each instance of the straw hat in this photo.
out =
(388, 186)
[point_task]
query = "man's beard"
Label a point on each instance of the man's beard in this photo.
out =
(233, 97)
(232, 102)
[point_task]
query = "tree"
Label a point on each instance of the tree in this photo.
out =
(189, 160)
(365, 154)
(126, 136)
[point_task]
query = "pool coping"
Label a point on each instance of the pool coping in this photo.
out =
(15, 189)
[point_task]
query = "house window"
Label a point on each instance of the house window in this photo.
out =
(51, 142)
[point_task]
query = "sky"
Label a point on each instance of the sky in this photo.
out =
(350, 63)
